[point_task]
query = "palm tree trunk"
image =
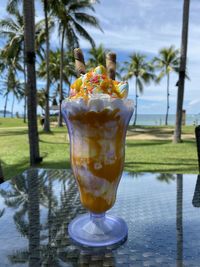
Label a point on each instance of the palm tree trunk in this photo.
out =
(34, 218)
(181, 83)
(29, 38)
(5, 106)
(1, 173)
(25, 107)
(46, 121)
(70, 82)
(13, 102)
(25, 92)
(61, 79)
(136, 101)
(167, 113)
(179, 219)
(50, 193)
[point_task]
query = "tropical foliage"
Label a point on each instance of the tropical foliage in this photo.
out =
(139, 68)
(12, 28)
(56, 67)
(10, 83)
(167, 62)
(97, 56)
(71, 17)
(68, 70)
(46, 234)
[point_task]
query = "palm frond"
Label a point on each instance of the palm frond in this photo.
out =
(81, 5)
(12, 5)
(87, 19)
(82, 32)
(140, 85)
(2, 212)
(72, 39)
(8, 25)
(168, 61)
(160, 76)
(19, 256)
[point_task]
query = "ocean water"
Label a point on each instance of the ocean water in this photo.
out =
(153, 119)
(159, 119)
(8, 115)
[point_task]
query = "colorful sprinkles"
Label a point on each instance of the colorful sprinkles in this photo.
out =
(95, 82)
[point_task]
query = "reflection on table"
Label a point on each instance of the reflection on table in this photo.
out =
(37, 206)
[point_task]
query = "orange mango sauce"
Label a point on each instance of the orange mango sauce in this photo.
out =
(102, 134)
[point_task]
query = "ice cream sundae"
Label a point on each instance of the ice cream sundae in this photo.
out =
(97, 113)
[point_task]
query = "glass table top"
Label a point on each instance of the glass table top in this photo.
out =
(162, 212)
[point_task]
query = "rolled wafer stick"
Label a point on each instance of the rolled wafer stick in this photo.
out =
(79, 61)
(111, 65)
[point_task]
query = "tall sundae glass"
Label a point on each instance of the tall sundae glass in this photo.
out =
(97, 114)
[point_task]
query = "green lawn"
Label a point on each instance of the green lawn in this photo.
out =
(11, 122)
(161, 156)
(141, 155)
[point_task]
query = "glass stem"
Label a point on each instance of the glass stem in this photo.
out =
(97, 217)
(98, 224)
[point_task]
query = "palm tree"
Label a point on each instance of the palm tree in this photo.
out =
(9, 67)
(17, 196)
(12, 28)
(97, 56)
(5, 87)
(29, 41)
(179, 219)
(167, 62)
(11, 6)
(1, 172)
(165, 177)
(181, 83)
(139, 68)
(41, 98)
(26, 193)
(24, 196)
(54, 69)
(46, 121)
(17, 92)
(34, 218)
(13, 86)
(71, 16)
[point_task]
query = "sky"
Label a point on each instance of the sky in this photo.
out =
(144, 26)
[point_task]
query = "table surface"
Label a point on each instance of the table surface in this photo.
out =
(162, 212)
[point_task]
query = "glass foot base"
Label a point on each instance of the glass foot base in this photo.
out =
(98, 230)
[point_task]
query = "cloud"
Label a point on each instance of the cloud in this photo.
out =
(194, 102)
(146, 26)
(153, 97)
(133, 31)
